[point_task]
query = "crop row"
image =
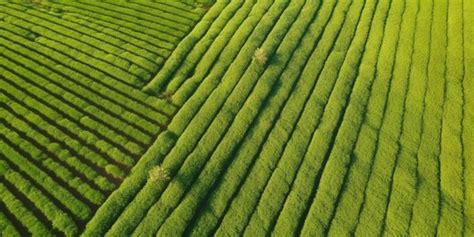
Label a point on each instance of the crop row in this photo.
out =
(107, 60)
(150, 37)
(429, 196)
(75, 106)
(265, 163)
(144, 195)
(26, 163)
(349, 202)
(88, 44)
(45, 121)
(71, 162)
(126, 38)
(363, 121)
(202, 62)
(388, 158)
(153, 19)
(140, 56)
(170, 35)
(212, 152)
(468, 118)
(73, 117)
(200, 122)
(359, 123)
(169, 10)
(24, 125)
(74, 113)
(64, 127)
(265, 103)
(118, 201)
(185, 58)
(9, 225)
(143, 58)
(123, 149)
(452, 170)
(117, 103)
(404, 177)
(23, 214)
(61, 22)
(323, 141)
(60, 219)
(270, 157)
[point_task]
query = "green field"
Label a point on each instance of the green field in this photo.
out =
(236, 117)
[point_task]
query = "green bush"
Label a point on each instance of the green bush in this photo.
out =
(158, 174)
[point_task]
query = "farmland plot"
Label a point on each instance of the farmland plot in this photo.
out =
(242, 117)
(74, 120)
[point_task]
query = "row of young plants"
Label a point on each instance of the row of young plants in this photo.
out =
(468, 119)
(97, 150)
(70, 162)
(385, 109)
(196, 44)
(126, 149)
(160, 31)
(124, 27)
(173, 11)
(156, 20)
(28, 165)
(249, 152)
(108, 63)
(23, 214)
(224, 66)
(452, 170)
(253, 124)
(237, 170)
(107, 214)
(201, 120)
(7, 227)
(114, 136)
(184, 5)
(135, 55)
(86, 160)
(344, 217)
(253, 120)
(213, 152)
(138, 55)
(223, 188)
(132, 111)
(126, 38)
(427, 206)
(77, 116)
(58, 219)
(404, 179)
(201, 61)
(142, 18)
(271, 158)
(119, 200)
(261, 172)
(183, 128)
(325, 137)
(71, 104)
(118, 61)
(373, 123)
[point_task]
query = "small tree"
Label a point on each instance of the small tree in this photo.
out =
(158, 174)
(168, 96)
(260, 56)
